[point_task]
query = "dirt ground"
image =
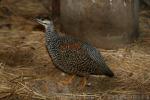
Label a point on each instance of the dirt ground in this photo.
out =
(27, 73)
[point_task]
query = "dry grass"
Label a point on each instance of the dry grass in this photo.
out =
(26, 71)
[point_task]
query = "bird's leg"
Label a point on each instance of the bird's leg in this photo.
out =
(83, 83)
(67, 80)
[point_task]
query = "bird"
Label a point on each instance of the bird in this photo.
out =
(72, 55)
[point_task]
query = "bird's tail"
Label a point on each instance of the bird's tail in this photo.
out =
(106, 70)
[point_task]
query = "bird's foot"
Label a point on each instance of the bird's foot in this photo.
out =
(66, 81)
(83, 83)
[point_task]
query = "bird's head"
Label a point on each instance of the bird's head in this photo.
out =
(45, 22)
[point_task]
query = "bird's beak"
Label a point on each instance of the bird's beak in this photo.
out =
(39, 21)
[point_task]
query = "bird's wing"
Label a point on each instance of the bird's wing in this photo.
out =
(97, 57)
(93, 52)
(70, 44)
(75, 44)
(74, 56)
(84, 50)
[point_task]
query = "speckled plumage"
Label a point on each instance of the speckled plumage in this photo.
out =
(73, 56)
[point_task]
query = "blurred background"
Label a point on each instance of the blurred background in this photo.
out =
(111, 22)
(120, 29)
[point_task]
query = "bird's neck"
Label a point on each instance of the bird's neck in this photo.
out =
(50, 33)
